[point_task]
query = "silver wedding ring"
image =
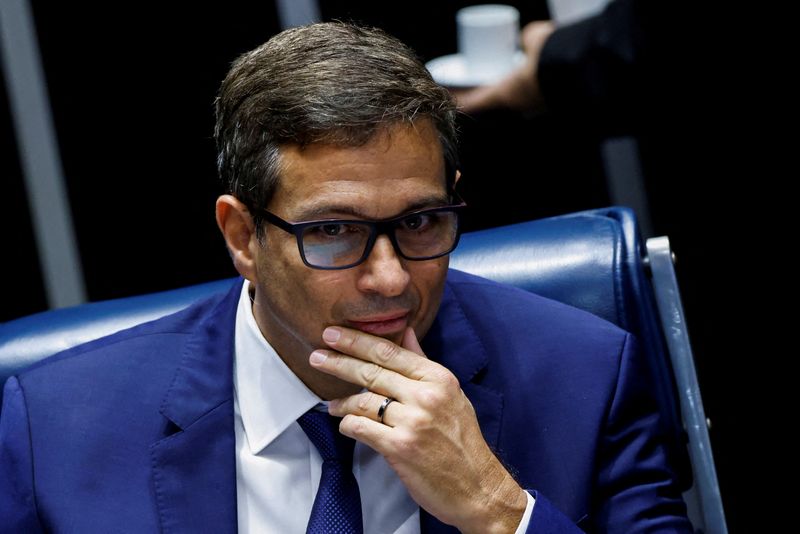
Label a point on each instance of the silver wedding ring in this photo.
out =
(382, 410)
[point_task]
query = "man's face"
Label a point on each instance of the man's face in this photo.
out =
(401, 169)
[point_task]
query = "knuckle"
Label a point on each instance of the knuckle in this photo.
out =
(430, 397)
(357, 426)
(335, 360)
(348, 340)
(405, 444)
(370, 374)
(420, 420)
(364, 401)
(385, 352)
(446, 379)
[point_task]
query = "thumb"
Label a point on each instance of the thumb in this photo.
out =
(411, 343)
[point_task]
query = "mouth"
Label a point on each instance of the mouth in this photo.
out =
(383, 324)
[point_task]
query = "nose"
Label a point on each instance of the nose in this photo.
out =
(383, 271)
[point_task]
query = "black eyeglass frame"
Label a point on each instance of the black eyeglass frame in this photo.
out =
(377, 228)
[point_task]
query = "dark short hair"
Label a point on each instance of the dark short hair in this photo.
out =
(331, 82)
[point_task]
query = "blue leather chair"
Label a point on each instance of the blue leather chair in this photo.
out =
(593, 260)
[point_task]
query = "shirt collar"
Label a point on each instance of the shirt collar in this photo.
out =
(269, 394)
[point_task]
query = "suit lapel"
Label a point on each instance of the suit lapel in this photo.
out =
(453, 342)
(194, 468)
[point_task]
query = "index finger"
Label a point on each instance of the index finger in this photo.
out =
(377, 350)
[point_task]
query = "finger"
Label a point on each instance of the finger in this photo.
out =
(371, 433)
(534, 35)
(377, 350)
(410, 342)
(362, 373)
(368, 404)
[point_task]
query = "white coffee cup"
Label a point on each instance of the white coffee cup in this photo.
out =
(488, 38)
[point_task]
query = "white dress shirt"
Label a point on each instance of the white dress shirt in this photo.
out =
(278, 468)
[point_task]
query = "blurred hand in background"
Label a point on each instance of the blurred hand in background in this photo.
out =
(520, 89)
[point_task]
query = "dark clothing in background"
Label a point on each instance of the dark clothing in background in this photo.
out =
(669, 75)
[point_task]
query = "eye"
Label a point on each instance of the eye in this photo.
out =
(416, 222)
(335, 230)
(331, 229)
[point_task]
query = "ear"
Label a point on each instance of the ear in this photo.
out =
(458, 177)
(236, 225)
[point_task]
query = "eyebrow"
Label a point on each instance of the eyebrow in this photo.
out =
(324, 211)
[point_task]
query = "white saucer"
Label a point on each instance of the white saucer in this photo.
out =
(452, 71)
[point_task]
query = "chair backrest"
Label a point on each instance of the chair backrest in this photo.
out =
(592, 260)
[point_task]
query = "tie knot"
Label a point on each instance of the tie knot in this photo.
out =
(323, 431)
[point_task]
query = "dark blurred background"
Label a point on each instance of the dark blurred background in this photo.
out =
(132, 85)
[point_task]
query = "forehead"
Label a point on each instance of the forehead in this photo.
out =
(400, 166)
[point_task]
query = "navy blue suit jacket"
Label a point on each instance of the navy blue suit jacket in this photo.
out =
(134, 432)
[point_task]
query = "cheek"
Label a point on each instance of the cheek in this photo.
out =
(285, 279)
(321, 292)
(428, 278)
(306, 297)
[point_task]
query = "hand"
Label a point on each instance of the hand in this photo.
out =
(429, 434)
(520, 89)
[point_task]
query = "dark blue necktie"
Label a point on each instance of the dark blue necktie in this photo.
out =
(337, 506)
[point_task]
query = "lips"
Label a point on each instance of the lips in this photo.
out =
(382, 325)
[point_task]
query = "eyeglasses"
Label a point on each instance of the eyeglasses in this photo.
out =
(342, 243)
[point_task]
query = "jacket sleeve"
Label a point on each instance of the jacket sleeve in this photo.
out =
(638, 491)
(17, 498)
(636, 488)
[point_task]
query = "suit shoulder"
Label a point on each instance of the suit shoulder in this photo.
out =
(160, 338)
(497, 304)
(529, 339)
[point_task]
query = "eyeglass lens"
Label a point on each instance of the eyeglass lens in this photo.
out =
(418, 236)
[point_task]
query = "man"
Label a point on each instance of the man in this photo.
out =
(338, 152)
